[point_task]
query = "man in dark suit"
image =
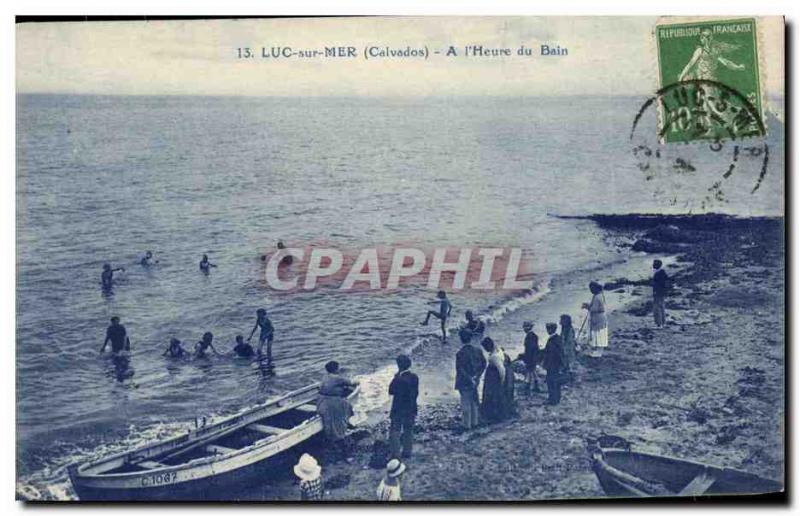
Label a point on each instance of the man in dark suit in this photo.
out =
(470, 364)
(404, 390)
(530, 357)
(660, 289)
(553, 364)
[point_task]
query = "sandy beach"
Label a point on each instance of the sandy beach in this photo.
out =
(708, 387)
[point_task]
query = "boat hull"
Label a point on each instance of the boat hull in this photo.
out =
(231, 485)
(614, 469)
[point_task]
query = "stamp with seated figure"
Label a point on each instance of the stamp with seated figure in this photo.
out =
(711, 70)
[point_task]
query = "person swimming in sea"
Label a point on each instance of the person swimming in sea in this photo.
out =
(288, 259)
(202, 347)
(147, 259)
(175, 350)
(242, 348)
(107, 276)
(117, 336)
(205, 265)
(445, 307)
(266, 335)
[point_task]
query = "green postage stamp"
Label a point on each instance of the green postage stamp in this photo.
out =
(709, 79)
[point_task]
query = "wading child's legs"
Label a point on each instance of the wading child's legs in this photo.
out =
(261, 342)
(428, 317)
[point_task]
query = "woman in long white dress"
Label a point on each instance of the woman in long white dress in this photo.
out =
(598, 322)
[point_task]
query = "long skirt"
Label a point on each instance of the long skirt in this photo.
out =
(334, 412)
(494, 405)
(598, 339)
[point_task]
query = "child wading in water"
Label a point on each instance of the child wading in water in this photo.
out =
(266, 335)
(445, 307)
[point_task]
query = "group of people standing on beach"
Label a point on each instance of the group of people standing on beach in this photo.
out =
(481, 359)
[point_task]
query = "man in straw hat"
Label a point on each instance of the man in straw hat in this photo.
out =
(389, 488)
(308, 471)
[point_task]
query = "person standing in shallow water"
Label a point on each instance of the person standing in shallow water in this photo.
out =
(266, 334)
(598, 323)
(404, 390)
(205, 265)
(117, 336)
(470, 364)
(445, 307)
(107, 276)
(553, 364)
(660, 287)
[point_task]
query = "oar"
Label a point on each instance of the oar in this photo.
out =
(578, 336)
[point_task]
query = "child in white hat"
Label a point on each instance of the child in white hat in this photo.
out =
(389, 488)
(308, 471)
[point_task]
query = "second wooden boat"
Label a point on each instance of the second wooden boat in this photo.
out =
(624, 473)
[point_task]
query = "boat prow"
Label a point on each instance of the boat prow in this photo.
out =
(229, 453)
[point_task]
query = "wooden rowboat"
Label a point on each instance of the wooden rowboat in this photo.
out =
(623, 473)
(205, 463)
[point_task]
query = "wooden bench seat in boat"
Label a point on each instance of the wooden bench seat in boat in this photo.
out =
(217, 449)
(699, 484)
(266, 429)
(150, 464)
(308, 407)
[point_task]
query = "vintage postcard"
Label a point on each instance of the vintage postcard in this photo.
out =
(400, 259)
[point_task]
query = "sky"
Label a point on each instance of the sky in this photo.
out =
(606, 56)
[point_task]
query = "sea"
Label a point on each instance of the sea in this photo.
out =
(102, 179)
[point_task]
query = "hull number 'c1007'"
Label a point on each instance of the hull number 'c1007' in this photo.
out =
(159, 479)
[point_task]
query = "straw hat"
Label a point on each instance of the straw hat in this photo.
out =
(395, 468)
(307, 467)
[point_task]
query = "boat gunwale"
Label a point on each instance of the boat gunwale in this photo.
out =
(202, 461)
